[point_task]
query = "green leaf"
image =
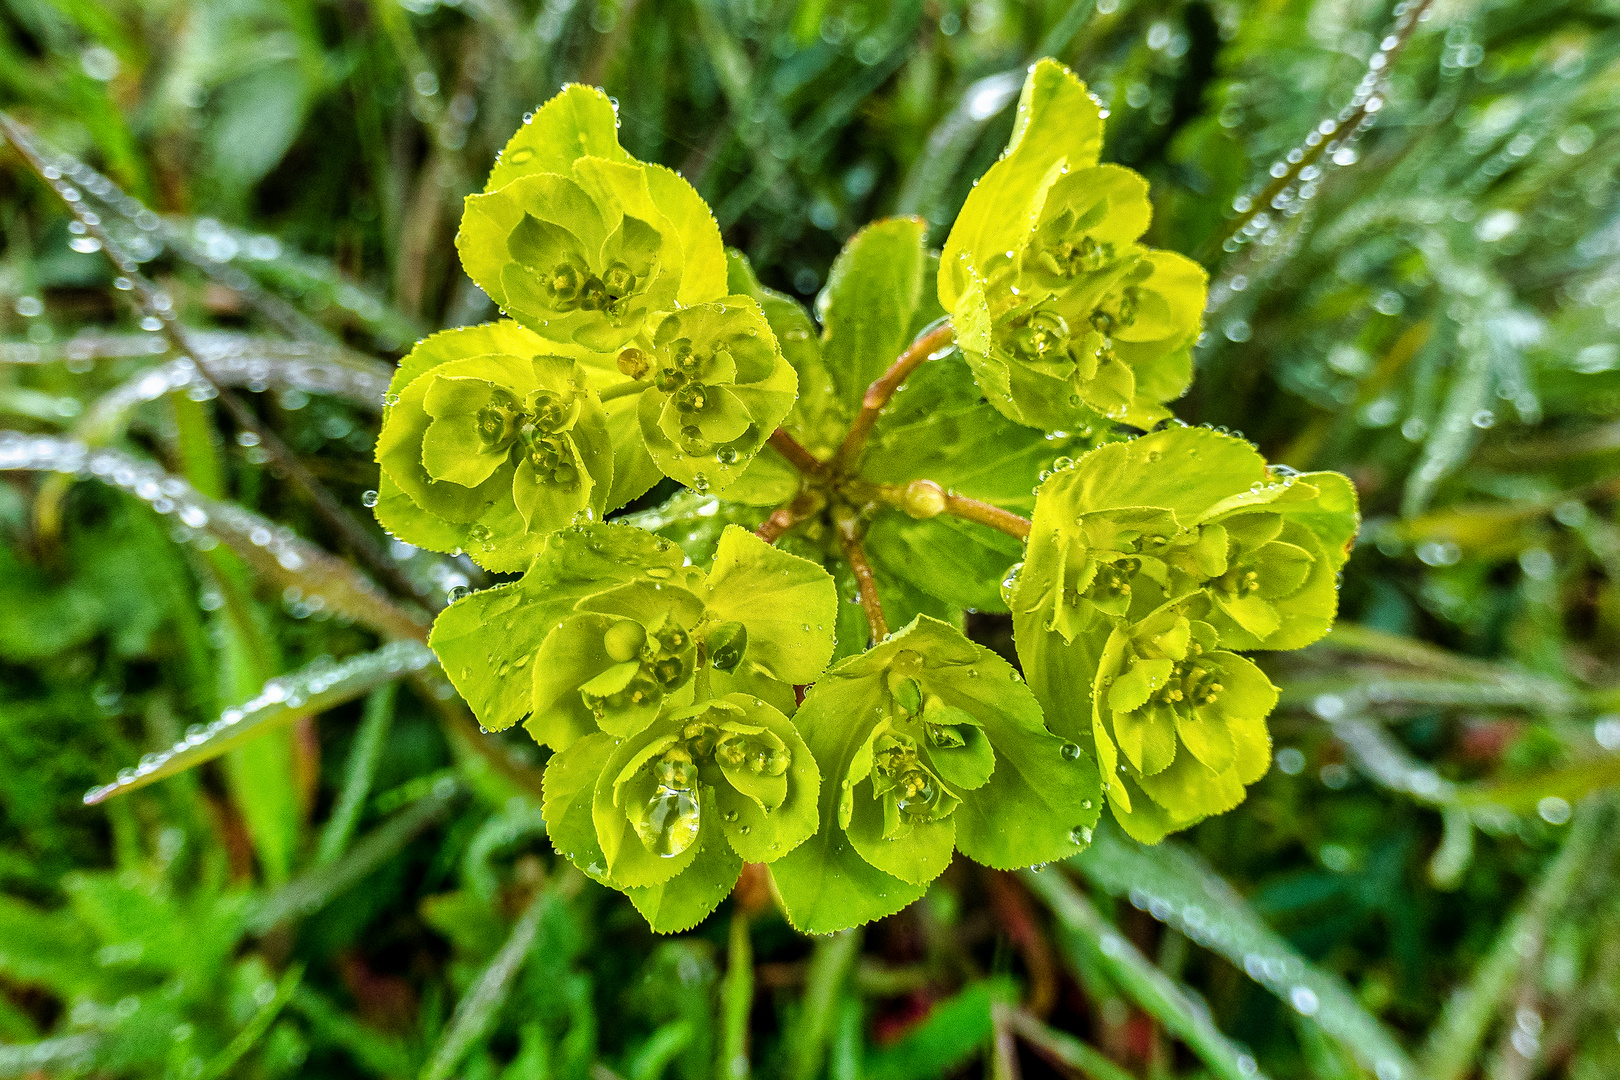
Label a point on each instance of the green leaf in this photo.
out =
(869, 305)
(1178, 887)
(579, 121)
(960, 562)
(569, 789)
(1058, 123)
(789, 605)
(954, 1030)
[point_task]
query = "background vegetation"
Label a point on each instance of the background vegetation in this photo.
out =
(1425, 885)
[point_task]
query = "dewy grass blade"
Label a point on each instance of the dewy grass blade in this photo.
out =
(1173, 885)
(1165, 999)
(1454, 1040)
(313, 689)
(31, 1059)
(271, 550)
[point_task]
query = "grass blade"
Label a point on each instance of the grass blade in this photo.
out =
(256, 1028)
(1084, 929)
(476, 1010)
(313, 689)
(736, 999)
(314, 890)
(1064, 1049)
(1176, 887)
(358, 775)
(830, 965)
(1455, 1038)
(272, 550)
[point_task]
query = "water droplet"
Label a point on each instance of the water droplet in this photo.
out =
(1070, 751)
(672, 822)
(368, 499)
(1080, 834)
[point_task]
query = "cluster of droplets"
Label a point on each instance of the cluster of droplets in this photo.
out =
(199, 520)
(319, 686)
(290, 372)
(674, 811)
(138, 235)
(1331, 143)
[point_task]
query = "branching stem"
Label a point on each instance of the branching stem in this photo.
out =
(865, 580)
(925, 498)
(879, 393)
(797, 455)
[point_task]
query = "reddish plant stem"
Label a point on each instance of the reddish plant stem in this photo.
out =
(797, 455)
(879, 393)
(806, 504)
(987, 514)
(781, 520)
(865, 580)
(908, 498)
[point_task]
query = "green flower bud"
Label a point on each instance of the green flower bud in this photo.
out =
(726, 645)
(733, 766)
(634, 363)
(924, 499)
(719, 388)
(1179, 723)
(488, 450)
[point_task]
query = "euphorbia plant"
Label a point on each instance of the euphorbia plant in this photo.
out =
(717, 678)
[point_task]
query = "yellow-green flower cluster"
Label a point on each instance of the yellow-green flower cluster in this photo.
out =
(665, 691)
(1065, 318)
(614, 278)
(1149, 563)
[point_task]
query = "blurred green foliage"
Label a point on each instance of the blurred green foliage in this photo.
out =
(1433, 308)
